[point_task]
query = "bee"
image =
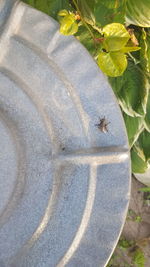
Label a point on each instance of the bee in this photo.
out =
(102, 125)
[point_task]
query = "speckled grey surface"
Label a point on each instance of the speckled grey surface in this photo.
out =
(64, 185)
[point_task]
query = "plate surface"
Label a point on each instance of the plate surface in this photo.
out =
(64, 184)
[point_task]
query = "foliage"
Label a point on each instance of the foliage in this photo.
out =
(137, 12)
(111, 30)
(128, 253)
(139, 163)
(132, 216)
(68, 22)
(131, 90)
(108, 11)
(124, 243)
(50, 7)
(140, 153)
(145, 189)
(112, 60)
(138, 258)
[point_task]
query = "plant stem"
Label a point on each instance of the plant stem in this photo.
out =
(82, 19)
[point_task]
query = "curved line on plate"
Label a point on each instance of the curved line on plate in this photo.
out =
(14, 78)
(49, 210)
(53, 198)
(56, 186)
(35, 100)
(62, 77)
(92, 183)
(85, 218)
(44, 221)
(11, 25)
(20, 181)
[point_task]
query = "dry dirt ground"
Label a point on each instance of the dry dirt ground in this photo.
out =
(136, 233)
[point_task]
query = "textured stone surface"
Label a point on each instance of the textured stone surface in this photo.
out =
(64, 184)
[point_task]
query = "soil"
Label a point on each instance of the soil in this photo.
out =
(136, 229)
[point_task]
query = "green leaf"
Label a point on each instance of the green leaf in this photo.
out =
(138, 219)
(132, 215)
(124, 244)
(140, 153)
(105, 12)
(68, 24)
(42, 6)
(113, 63)
(144, 56)
(139, 164)
(139, 258)
(90, 3)
(138, 12)
(134, 126)
(131, 90)
(29, 2)
(116, 36)
(145, 189)
(145, 62)
(112, 3)
(50, 7)
(128, 49)
(63, 13)
(147, 117)
(144, 143)
(148, 47)
(86, 10)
